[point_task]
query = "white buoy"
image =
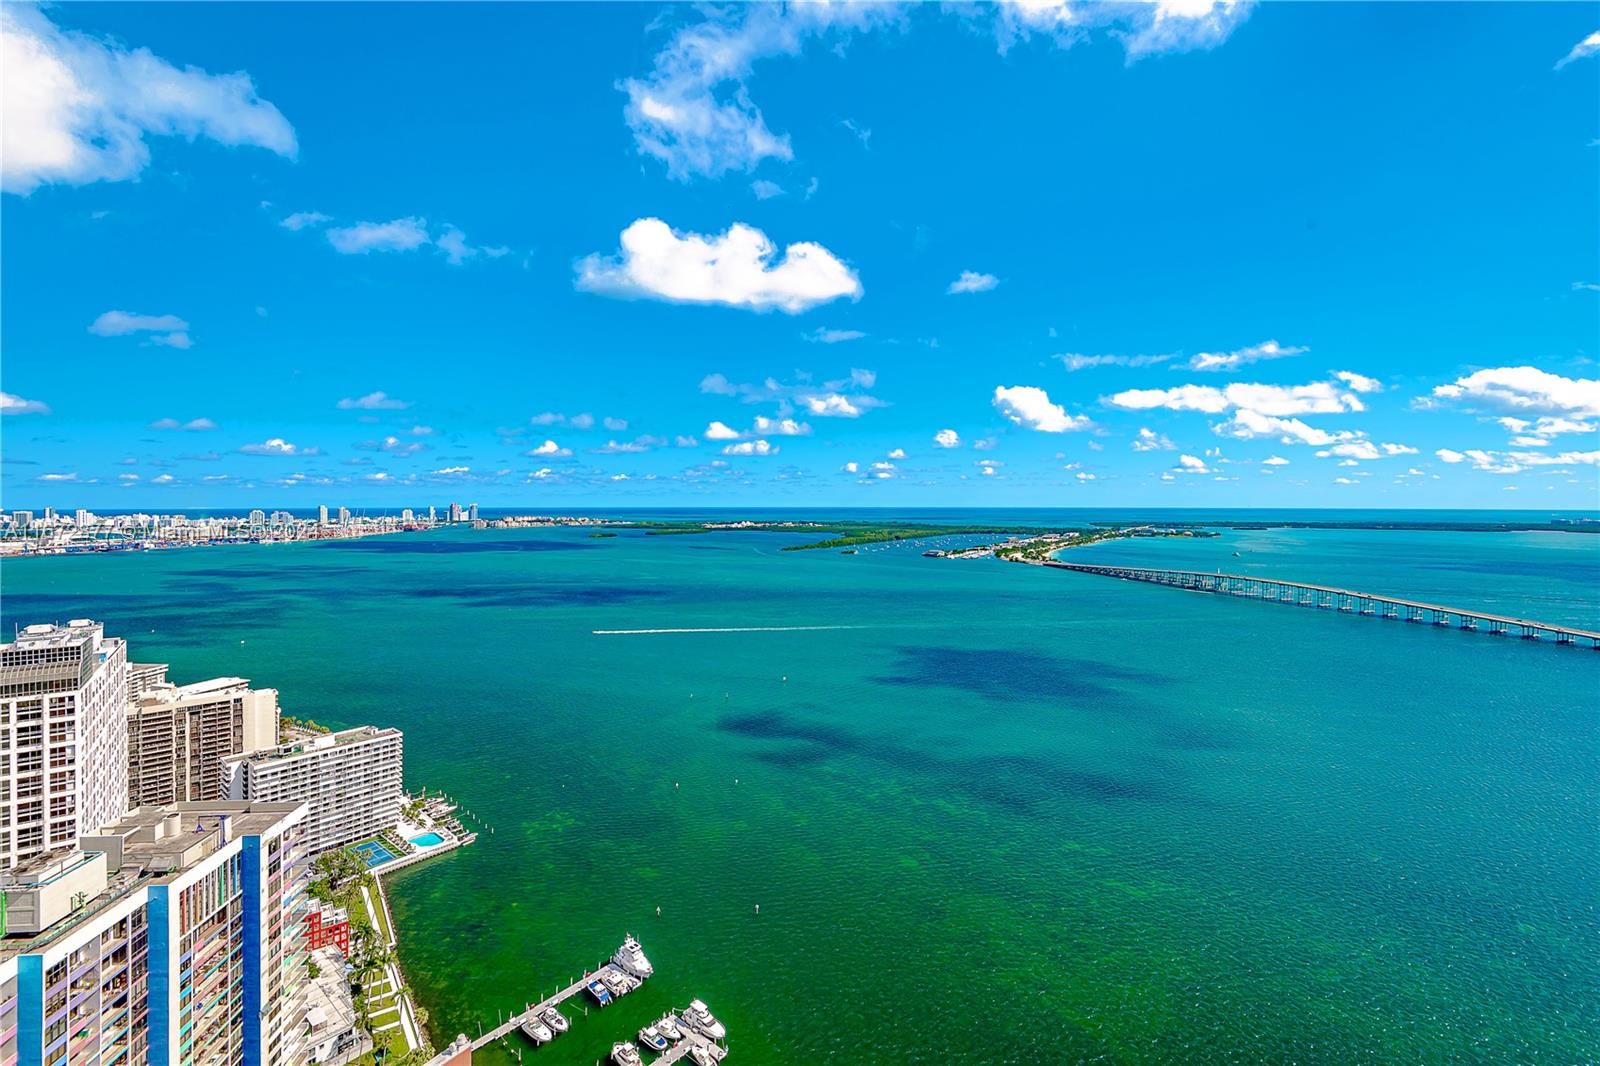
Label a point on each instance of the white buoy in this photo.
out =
(758, 908)
(658, 912)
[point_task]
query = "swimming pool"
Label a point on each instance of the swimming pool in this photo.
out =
(427, 840)
(372, 853)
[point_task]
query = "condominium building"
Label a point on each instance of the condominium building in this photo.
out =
(179, 735)
(63, 736)
(171, 938)
(351, 780)
(142, 676)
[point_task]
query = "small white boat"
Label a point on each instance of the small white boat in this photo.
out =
(630, 956)
(651, 1038)
(668, 1027)
(555, 1020)
(702, 1055)
(699, 1016)
(537, 1031)
(625, 1054)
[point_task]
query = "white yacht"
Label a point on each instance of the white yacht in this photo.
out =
(554, 1019)
(630, 956)
(668, 1027)
(698, 1015)
(535, 1029)
(625, 1054)
(702, 1055)
(619, 983)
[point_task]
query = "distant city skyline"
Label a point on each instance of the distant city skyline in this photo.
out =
(865, 256)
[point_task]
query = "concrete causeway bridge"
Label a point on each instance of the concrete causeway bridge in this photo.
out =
(1344, 600)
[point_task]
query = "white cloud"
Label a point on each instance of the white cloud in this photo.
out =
(399, 235)
(453, 243)
(58, 477)
(421, 431)
(372, 401)
(735, 269)
(833, 336)
(1345, 481)
(779, 427)
(720, 431)
(277, 446)
(1074, 361)
(1365, 449)
(694, 112)
(1582, 50)
(1516, 462)
(972, 281)
(1526, 388)
(1191, 464)
(1319, 397)
(77, 109)
(1358, 382)
(553, 418)
(194, 425)
(1233, 360)
(304, 219)
(751, 447)
(898, 453)
(685, 441)
(551, 448)
(1274, 460)
(1084, 475)
(16, 405)
(851, 468)
(1149, 440)
(1144, 29)
(452, 471)
(832, 405)
(1030, 407)
(766, 190)
(615, 425)
(947, 438)
(168, 330)
(1247, 425)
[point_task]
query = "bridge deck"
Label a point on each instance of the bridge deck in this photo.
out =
(1220, 582)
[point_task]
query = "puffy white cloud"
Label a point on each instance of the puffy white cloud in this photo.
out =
(393, 445)
(372, 401)
(1144, 28)
(898, 453)
(553, 418)
(779, 427)
(1084, 475)
(1365, 449)
(972, 281)
(751, 447)
(452, 471)
(1192, 464)
(720, 431)
(552, 449)
(1319, 397)
(1148, 440)
(833, 336)
(1029, 406)
(75, 109)
(15, 405)
(1345, 481)
(694, 112)
(278, 446)
(1358, 382)
(1247, 425)
(1274, 460)
(399, 235)
(850, 468)
(1527, 388)
(734, 269)
(947, 438)
(1233, 360)
(615, 425)
(1582, 50)
(304, 220)
(1515, 462)
(832, 405)
(766, 190)
(168, 330)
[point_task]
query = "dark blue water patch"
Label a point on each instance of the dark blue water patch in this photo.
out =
(259, 568)
(540, 595)
(1012, 782)
(1013, 673)
(413, 546)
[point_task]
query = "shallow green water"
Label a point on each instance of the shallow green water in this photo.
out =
(1006, 815)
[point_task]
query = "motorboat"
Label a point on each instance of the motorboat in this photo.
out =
(631, 958)
(699, 1016)
(535, 1029)
(651, 1038)
(702, 1055)
(599, 991)
(619, 983)
(625, 1054)
(668, 1027)
(555, 1020)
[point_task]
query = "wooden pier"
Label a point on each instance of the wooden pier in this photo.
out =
(1346, 601)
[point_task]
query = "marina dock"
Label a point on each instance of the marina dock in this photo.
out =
(1347, 601)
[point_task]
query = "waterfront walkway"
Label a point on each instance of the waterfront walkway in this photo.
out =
(1347, 601)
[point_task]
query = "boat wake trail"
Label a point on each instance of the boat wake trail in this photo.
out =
(720, 629)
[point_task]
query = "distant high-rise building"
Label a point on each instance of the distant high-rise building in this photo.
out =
(472, 512)
(144, 676)
(63, 727)
(407, 516)
(174, 935)
(49, 514)
(178, 737)
(24, 519)
(352, 781)
(432, 518)
(455, 512)
(344, 516)
(322, 515)
(82, 517)
(258, 518)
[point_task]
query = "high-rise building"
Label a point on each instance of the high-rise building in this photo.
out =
(432, 517)
(173, 937)
(49, 514)
(322, 515)
(258, 518)
(24, 519)
(472, 512)
(179, 735)
(344, 516)
(82, 517)
(64, 732)
(144, 676)
(455, 512)
(406, 515)
(351, 780)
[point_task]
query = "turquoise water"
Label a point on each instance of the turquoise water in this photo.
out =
(427, 840)
(998, 814)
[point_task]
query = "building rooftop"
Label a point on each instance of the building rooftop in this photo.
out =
(313, 744)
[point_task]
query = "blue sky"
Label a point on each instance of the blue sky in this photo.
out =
(635, 255)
